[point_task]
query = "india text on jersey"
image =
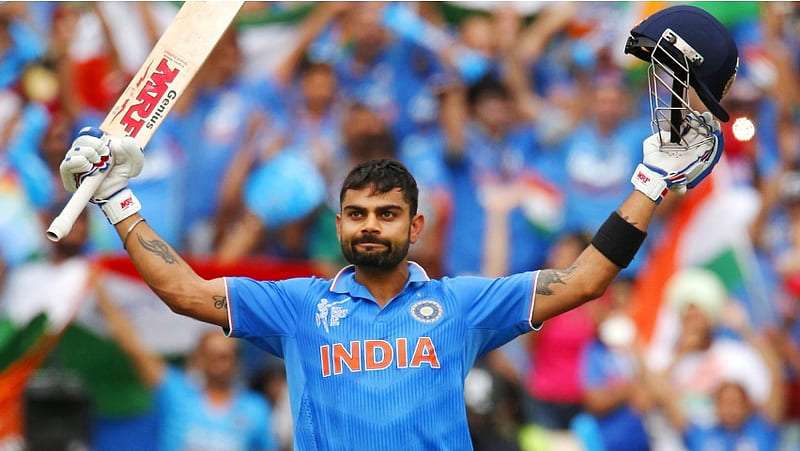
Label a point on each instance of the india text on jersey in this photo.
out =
(371, 355)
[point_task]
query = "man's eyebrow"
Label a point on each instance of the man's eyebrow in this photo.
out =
(353, 207)
(390, 207)
(378, 208)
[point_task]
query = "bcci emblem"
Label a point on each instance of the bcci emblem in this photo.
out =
(427, 311)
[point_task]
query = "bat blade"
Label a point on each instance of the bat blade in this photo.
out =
(153, 91)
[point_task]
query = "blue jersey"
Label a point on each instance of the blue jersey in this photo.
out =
(755, 434)
(189, 421)
(487, 158)
(603, 367)
(365, 377)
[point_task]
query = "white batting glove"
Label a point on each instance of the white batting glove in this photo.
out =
(94, 152)
(677, 167)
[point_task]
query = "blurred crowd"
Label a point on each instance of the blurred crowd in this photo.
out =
(522, 123)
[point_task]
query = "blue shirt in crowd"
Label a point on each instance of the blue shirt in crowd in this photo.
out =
(755, 434)
(189, 421)
(490, 159)
(622, 427)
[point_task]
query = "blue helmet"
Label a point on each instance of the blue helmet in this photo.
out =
(692, 47)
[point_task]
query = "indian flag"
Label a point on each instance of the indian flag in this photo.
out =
(51, 309)
(39, 302)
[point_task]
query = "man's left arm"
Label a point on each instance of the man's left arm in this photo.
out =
(665, 167)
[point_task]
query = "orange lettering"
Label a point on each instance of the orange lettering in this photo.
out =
(341, 356)
(325, 355)
(402, 353)
(371, 350)
(425, 353)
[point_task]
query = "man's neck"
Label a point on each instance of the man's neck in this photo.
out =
(383, 284)
(218, 394)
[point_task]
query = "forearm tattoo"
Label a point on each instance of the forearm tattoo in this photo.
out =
(159, 248)
(549, 277)
(220, 302)
(626, 218)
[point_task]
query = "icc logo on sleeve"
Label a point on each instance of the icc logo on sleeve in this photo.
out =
(427, 311)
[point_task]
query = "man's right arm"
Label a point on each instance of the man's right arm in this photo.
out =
(170, 277)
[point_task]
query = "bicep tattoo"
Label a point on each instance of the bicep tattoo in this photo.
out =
(159, 248)
(220, 302)
(549, 277)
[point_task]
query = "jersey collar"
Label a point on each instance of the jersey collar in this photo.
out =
(345, 280)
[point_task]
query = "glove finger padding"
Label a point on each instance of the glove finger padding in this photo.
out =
(679, 167)
(81, 162)
(127, 153)
(704, 141)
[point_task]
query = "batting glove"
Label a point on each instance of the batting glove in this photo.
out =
(93, 152)
(677, 167)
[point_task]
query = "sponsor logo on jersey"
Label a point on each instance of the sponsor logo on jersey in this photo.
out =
(330, 313)
(374, 355)
(427, 311)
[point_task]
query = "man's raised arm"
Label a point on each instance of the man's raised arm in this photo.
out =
(170, 277)
(663, 169)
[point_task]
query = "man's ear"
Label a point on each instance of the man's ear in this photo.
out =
(417, 225)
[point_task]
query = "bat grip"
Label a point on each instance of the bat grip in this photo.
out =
(63, 223)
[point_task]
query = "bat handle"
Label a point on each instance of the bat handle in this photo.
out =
(63, 223)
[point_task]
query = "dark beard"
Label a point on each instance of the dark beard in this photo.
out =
(387, 259)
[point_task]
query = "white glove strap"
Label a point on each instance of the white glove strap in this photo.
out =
(120, 206)
(650, 182)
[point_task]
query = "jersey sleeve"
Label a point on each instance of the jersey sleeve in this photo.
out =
(503, 305)
(258, 310)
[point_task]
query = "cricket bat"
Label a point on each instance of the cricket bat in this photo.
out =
(155, 88)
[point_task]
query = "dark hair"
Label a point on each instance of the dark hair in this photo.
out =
(308, 66)
(485, 88)
(383, 175)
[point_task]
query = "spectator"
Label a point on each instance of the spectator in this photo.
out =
(19, 45)
(223, 104)
(201, 407)
(606, 142)
(272, 383)
(741, 421)
(490, 147)
(385, 72)
(616, 397)
(693, 357)
(553, 385)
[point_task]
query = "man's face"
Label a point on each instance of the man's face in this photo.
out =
(319, 87)
(376, 229)
(217, 358)
(733, 405)
(495, 113)
(369, 36)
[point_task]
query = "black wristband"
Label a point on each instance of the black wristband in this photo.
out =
(618, 240)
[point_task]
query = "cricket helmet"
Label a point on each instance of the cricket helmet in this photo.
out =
(686, 47)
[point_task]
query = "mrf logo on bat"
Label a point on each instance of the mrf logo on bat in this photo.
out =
(152, 98)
